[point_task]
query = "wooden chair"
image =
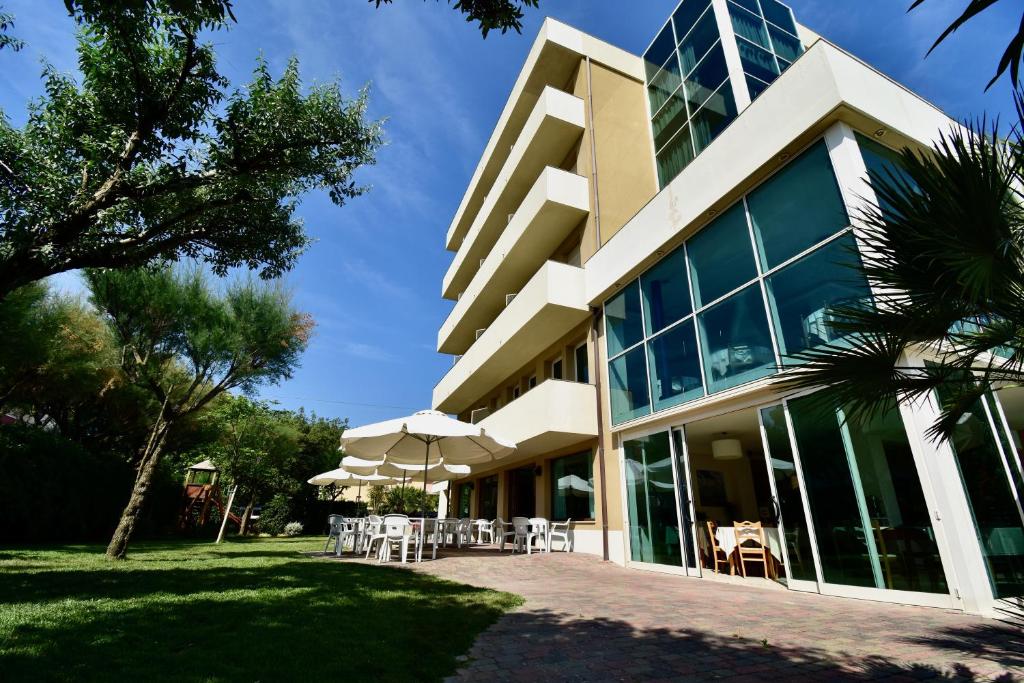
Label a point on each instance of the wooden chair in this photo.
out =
(718, 555)
(751, 532)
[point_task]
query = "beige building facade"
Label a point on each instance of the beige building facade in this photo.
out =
(643, 243)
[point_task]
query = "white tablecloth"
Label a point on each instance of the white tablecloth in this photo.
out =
(726, 536)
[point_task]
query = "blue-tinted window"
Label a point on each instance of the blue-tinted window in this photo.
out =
(802, 294)
(735, 341)
(698, 42)
(666, 292)
(797, 208)
(717, 113)
(627, 380)
(664, 83)
(669, 119)
(572, 486)
(778, 14)
(748, 4)
(675, 366)
(749, 26)
(623, 319)
(659, 51)
(757, 62)
(706, 78)
(721, 258)
(676, 155)
(687, 14)
(755, 86)
(786, 46)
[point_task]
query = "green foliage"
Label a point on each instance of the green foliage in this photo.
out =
(944, 248)
(1014, 51)
(52, 489)
(408, 500)
(500, 15)
(6, 39)
(275, 515)
(151, 156)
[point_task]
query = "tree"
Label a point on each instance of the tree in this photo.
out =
(6, 39)
(254, 447)
(184, 344)
(1014, 51)
(150, 158)
(944, 248)
(500, 15)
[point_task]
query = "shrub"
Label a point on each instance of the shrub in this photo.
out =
(293, 528)
(275, 515)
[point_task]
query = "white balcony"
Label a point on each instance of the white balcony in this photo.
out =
(554, 207)
(553, 415)
(551, 131)
(549, 307)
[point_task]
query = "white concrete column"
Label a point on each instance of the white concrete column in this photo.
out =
(732, 55)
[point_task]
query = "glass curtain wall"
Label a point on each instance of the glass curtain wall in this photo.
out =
(651, 501)
(572, 487)
(685, 498)
(747, 290)
(869, 513)
(767, 39)
(997, 517)
(688, 87)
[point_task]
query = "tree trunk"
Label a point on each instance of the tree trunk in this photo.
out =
(147, 466)
(244, 527)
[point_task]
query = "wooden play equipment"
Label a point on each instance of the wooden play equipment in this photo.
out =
(202, 491)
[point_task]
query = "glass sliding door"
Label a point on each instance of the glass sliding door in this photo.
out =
(686, 514)
(993, 501)
(651, 500)
(871, 522)
(788, 498)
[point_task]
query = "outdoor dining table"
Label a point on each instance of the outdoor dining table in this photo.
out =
(726, 539)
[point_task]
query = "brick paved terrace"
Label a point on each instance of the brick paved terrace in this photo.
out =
(588, 620)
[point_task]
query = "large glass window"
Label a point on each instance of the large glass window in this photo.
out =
(778, 14)
(870, 517)
(667, 122)
(686, 15)
(666, 292)
(488, 497)
(675, 156)
(623, 320)
(627, 377)
(705, 79)
(572, 487)
(787, 486)
(675, 367)
(749, 25)
(798, 207)
(581, 362)
(713, 117)
(803, 294)
(465, 496)
(721, 258)
(659, 52)
(757, 62)
(997, 520)
(698, 41)
(650, 500)
(735, 341)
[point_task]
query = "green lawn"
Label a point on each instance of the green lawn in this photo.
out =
(245, 610)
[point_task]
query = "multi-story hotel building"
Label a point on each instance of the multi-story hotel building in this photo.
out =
(643, 243)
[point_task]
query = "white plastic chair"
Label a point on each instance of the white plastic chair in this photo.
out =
(485, 528)
(561, 531)
(398, 533)
(520, 530)
(463, 532)
(374, 532)
(334, 523)
(538, 530)
(348, 532)
(502, 532)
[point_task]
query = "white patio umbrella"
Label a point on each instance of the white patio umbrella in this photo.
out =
(428, 437)
(346, 478)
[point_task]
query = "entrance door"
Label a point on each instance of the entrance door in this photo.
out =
(522, 493)
(685, 503)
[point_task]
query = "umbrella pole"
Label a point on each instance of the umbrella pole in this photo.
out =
(426, 456)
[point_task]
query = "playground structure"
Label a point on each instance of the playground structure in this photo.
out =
(202, 492)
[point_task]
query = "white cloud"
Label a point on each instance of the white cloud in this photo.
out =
(370, 277)
(367, 352)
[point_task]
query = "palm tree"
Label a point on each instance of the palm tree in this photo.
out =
(943, 249)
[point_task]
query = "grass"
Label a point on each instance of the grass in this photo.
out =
(245, 610)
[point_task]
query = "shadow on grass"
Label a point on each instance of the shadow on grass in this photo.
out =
(243, 616)
(560, 647)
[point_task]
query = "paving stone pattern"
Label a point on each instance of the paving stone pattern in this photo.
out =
(588, 620)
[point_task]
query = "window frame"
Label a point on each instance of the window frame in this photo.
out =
(551, 483)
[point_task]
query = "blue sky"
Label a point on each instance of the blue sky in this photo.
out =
(372, 280)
